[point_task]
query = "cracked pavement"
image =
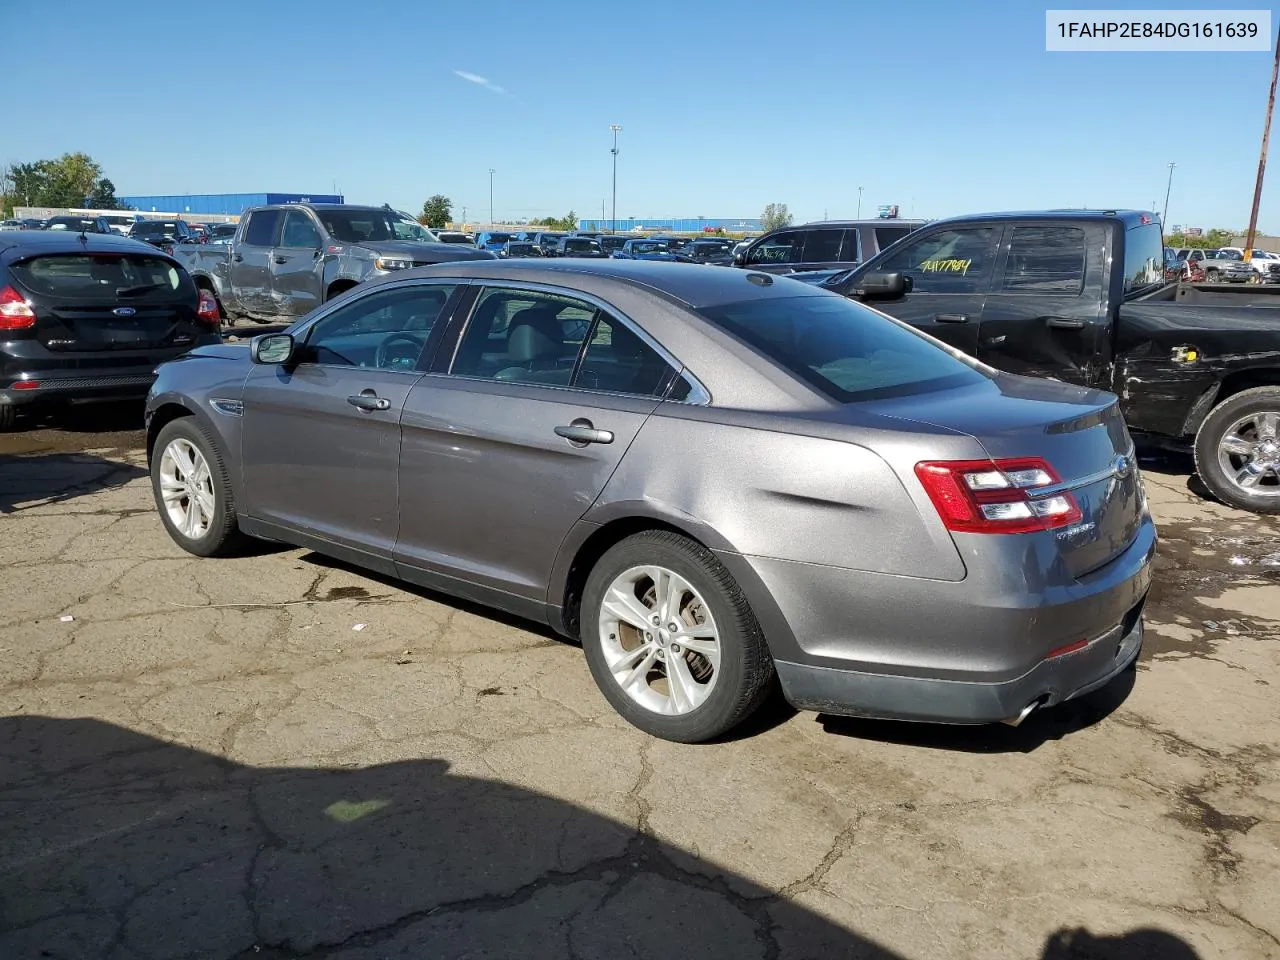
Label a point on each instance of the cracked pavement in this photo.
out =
(207, 759)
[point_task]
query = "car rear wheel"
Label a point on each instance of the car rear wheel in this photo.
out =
(671, 640)
(8, 417)
(193, 491)
(1238, 450)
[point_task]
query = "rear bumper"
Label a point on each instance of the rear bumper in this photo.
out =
(971, 651)
(81, 385)
(853, 693)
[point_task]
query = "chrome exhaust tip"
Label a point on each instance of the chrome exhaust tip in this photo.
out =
(1026, 711)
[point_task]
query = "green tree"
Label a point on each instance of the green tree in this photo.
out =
(1209, 240)
(436, 212)
(775, 215)
(104, 196)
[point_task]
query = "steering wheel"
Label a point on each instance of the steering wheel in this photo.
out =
(380, 357)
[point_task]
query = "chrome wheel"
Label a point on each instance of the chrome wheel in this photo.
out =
(186, 486)
(1249, 453)
(659, 640)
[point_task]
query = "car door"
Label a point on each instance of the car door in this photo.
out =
(505, 451)
(251, 262)
(321, 435)
(950, 269)
(297, 265)
(1044, 315)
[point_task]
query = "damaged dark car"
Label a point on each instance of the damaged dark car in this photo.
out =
(1081, 296)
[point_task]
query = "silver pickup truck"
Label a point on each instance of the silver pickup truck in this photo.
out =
(286, 260)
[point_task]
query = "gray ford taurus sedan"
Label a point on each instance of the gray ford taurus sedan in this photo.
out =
(709, 477)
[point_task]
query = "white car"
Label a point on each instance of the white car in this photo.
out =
(122, 223)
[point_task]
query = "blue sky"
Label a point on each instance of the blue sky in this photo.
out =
(943, 108)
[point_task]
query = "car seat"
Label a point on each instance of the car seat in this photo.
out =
(536, 347)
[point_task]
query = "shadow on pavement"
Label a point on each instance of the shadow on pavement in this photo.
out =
(1039, 728)
(58, 477)
(116, 844)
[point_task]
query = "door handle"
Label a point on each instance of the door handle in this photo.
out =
(1064, 323)
(951, 317)
(581, 432)
(280, 259)
(237, 258)
(369, 401)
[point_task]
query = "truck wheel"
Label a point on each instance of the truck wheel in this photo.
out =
(1211, 276)
(1238, 450)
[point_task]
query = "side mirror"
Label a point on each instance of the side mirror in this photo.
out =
(271, 348)
(740, 259)
(883, 286)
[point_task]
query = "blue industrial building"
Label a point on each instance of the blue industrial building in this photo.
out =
(226, 204)
(674, 225)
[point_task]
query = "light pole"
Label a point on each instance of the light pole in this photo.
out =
(859, 203)
(1164, 217)
(615, 128)
(491, 196)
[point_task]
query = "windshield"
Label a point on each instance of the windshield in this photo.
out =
(650, 246)
(581, 245)
(1228, 255)
(842, 348)
(360, 226)
(498, 238)
(224, 230)
(412, 230)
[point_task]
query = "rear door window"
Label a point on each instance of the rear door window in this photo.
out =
(823, 246)
(958, 260)
(523, 336)
(1045, 260)
(888, 236)
(617, 360)
(95, 277)
(852, 249)
(264, 227)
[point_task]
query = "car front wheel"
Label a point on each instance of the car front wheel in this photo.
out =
(671, 640)
(192, 490)
(1238, 450)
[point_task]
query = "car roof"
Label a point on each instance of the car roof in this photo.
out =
(690, 284)
(21, 243)
(1130, 218)
(867, 222)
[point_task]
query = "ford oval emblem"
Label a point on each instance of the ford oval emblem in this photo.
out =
(1121, 467)
(124, 311)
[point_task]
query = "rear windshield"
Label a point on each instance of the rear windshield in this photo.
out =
(72, 223)
(845, 350)
(499, 238)
(1143, 258)
(154, 228)
(581, 245)
(102, 275)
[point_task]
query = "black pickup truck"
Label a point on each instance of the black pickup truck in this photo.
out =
(1081, 296)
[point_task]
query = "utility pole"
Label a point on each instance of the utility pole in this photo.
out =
(491, 196)
(859, 203)
(615, 128)
(1164, 217)
(1262, 160)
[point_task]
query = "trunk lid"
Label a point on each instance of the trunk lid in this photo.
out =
(90, 302)
(1079, 432)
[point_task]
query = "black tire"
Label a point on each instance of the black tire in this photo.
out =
(1211, 276)
(222, 536)
(746, 669)
(1223, 486)
(8, 417)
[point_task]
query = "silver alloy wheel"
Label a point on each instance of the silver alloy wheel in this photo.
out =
(186, 486)
(1249, 453)
(659, 640)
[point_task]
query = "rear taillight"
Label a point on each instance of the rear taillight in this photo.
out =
(997, 496)
(207, 311)
(15, 312)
